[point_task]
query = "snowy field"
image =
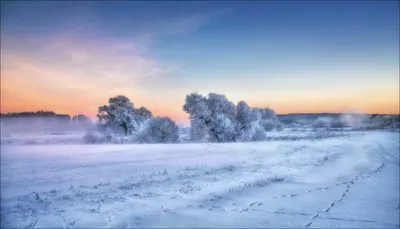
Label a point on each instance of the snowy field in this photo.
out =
(351, 180)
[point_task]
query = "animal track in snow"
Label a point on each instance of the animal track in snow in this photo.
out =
(344, 193)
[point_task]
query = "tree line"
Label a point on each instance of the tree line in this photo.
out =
(76, 119)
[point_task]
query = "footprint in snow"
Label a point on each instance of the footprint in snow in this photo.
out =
(308, 224)
(251, 204)
(327, 210)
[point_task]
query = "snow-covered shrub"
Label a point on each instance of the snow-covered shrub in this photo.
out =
(395, 125)
(336, 123)
(267, 124)
(279, 126)
(99, 138)
(320, 133)
(90, 138)
(117, 139)
(320, 123)
(385, 122)
(159, 130)
(259, 134)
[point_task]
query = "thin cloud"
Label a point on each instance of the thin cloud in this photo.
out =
(188, 24)
(75, 71)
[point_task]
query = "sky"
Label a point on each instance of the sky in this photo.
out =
(294, 57)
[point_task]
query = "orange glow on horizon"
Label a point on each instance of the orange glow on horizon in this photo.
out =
(85, 81)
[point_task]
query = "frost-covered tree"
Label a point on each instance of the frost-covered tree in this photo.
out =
(216, 119)
(212, 118)
(244, 117)
(118, 116)
(256, 113)
(221, 129)
(198, 131)
(159, 130)
(268, 114)
(218, 104)
(246, 121)
(199, 115)
(81, 119)
(267, 118)
(142, 114)
(221, 122)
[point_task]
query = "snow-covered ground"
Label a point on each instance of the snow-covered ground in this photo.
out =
(346, 181)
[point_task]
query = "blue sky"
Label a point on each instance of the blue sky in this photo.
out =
(269, 53)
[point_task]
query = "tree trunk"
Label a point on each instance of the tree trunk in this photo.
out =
(125, 128)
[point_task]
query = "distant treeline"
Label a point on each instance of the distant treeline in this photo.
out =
(46, 114)
(41, 114)
(310, 117)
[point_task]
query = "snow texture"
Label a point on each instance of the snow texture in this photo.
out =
(347, 181)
